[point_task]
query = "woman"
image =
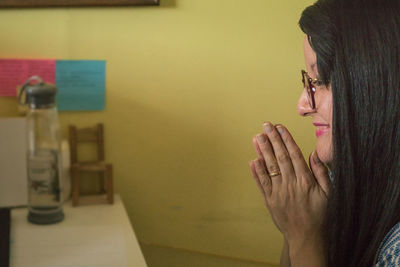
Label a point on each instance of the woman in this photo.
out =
(352, 92)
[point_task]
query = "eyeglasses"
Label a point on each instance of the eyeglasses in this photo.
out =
(310, 84)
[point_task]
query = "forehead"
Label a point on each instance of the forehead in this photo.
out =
(310, 57)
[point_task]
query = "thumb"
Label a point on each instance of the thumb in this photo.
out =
(320, 172)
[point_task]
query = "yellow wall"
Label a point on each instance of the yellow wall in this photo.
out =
(188, 85)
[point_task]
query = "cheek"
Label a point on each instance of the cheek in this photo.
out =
(326, 107)
(324, 147)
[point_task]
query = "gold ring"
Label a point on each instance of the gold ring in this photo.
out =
(275, 173)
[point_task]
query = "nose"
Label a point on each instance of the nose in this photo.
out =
(303, 105)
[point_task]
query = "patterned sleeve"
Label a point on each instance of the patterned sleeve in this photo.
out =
(389, 256)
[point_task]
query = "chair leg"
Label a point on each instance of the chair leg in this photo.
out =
(110, 189)
(75, 187)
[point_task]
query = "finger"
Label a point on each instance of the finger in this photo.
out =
(255, 176)
(257, 147)
(263, 177)
(321, 173)
(299, 163)
(268, 154)
(281, 154)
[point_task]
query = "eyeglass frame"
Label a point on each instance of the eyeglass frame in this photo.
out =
(311, 88)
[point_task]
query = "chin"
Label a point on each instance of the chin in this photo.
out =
(324, 151)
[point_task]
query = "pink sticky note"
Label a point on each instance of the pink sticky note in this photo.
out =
(15, 72)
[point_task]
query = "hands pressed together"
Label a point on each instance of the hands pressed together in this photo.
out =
(295, 195)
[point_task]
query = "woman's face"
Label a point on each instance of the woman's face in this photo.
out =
(322, 114)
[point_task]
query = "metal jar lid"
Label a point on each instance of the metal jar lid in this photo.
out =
(39, 94)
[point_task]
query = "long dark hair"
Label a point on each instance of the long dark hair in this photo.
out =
(357, 43)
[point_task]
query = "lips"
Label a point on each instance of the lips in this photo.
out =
(321, 129)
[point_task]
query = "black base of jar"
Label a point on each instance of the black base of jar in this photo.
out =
(48, 218)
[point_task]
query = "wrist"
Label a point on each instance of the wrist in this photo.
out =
(307, 252)
(298, 246)
(310, 239)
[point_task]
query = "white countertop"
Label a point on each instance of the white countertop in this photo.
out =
(92, 235)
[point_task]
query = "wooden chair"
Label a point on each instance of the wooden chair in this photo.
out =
(90, 135)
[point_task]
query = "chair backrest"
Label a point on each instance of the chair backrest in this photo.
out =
(86, 135)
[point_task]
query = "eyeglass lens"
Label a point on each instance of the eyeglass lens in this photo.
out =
(307, 85)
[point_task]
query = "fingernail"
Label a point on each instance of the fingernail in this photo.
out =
(279, 128)
(256, 162)
(268, 127)
(260, 138)
(315, 157)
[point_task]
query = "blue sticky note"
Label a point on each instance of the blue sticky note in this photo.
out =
(81, 84)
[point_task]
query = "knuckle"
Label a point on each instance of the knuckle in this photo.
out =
(258, 172)
(265, 183)
(296, 154)
(286, 138)
(306, 181)
(283, 157)
(272, 167)
(263, 147)
(274, 135)
(259, 168)
(262, 173)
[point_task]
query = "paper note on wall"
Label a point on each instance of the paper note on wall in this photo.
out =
(15, 72)
(81, 84)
